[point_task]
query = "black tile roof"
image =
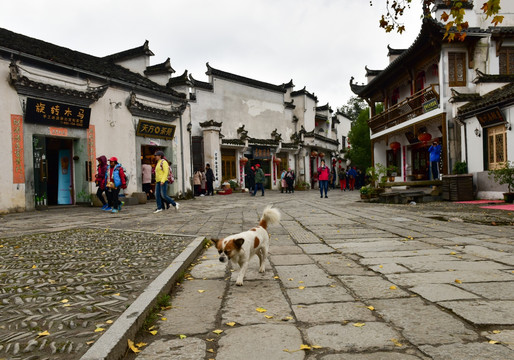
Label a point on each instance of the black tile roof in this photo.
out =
(180, 80)
(391, 51)
(488, 78)
(201, 84)
(25, 47)
(501, 30)
(499, 97)
(444, 5)
(324, 108)
(304, 92)
(463, 97)
(163, 68)
(143, 50)
(370, 72)
(244, 80)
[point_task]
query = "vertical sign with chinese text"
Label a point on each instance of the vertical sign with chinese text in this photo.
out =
(18, 165)
(91, 148)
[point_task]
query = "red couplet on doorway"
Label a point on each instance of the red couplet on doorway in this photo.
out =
(18, 165)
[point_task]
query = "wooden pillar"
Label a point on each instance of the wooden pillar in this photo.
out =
(444, 144)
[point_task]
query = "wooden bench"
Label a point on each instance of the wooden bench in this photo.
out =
(409, 184)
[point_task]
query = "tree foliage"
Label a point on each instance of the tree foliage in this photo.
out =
(360, 144)
(353, 108)
(454, 20)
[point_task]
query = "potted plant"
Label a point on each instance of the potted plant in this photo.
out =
(460, 167)
(391, 172)
(505, 175)
(365, 192)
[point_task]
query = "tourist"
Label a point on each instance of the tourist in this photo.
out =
(435, 157)
(259, 180)
(115, 180)
(100, 181)
(250, 178)
(283, 183)
(146, 172)
(323, 177)
(342, 179)
(209, 177)
(352, 175)
(290, 178)
(197, 182)
(162, 169)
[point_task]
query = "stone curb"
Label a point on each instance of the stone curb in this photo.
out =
(113, 344)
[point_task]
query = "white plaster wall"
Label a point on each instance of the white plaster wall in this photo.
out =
(12, 196)
(137, 65)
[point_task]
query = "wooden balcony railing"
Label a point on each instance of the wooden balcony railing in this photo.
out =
(421, 102)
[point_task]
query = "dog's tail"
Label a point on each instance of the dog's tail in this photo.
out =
(269, 216)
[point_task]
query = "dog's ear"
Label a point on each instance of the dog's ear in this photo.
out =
(215, 241)
(239, 242)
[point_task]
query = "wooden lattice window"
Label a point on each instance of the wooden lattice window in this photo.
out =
(496, 146)
(457, 68)
(507, 61)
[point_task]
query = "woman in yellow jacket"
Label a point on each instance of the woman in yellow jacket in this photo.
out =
(161, 183)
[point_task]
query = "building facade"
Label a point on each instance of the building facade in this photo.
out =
(431, 90)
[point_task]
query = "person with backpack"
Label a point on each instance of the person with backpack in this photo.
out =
(163, 177)
(115, 180)
(100, 180)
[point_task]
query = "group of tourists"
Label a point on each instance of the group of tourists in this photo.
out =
(110, 178)
(287, 179)
(350, 179)
(203, 181)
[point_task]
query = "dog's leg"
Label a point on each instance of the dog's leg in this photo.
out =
(242, 272)
(263, 254)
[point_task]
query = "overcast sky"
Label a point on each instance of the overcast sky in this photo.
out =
(319, 44)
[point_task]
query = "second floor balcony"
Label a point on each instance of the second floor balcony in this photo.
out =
(415, 105)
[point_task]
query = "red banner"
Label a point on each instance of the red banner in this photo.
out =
(18, 165)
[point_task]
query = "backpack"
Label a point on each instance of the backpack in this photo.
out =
(171, 178)
(127, 176)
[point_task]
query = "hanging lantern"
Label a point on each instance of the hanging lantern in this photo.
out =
(314, 153)
(321, 155)
(340, 160)
(424, 137)
(277, 160)
(395, 146)
(243, 160)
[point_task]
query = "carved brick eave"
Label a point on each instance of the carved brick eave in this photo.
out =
(27, 87)
(136, 108)
(211, 124)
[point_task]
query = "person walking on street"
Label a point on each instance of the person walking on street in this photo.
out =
(283, 183)
(203, 183)
(115, 180)
(100, 180)
(435, 157)
(342, 179)
(290, 178)
(323, 177)
(146, 171)
(251, 180)
(333, 177)
(162, 169)
(259, 180)
(209, 177)
(352, 174)
(197, 182)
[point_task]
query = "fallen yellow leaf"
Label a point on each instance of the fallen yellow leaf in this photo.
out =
(99, 329)
(217, 332)
(151, 327)
(453, 253)
(301, 287)
(182, 336)
(496, 331)
(300, 282)
(66, 305)
(290, 279)
(380, 266)
(268, 316)
(371, 308)
(493, 342)
(201, 291)
(211, 350)
(261, 310)
(34, 266)
(117, 294)
(332, 285)
(230, 323)
(89, 342)
(316, 347)
(141, 344)
(132, 347)
(392, 287)
(211, 340)
(44, 333)
(276, 277)
(164, 319)
(359, 324)
(305, 347)
(64, 301)
(153, 332)
(109, 321)
(287, 318)
(458, 281)
(396, 342)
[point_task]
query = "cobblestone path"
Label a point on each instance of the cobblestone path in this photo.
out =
(71, 285)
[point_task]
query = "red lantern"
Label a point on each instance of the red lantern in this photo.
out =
(277, 160)
(425, 137)
(395, 146)
(340, 160)
(321, 155)
(243, 160)
(314, 153)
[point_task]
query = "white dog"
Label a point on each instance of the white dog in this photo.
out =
(241, 247)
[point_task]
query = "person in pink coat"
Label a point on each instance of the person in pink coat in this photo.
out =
(323, 177)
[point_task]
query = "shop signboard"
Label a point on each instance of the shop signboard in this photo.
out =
(491, 117)
(261, 153)
(155, 130)
(56, 114)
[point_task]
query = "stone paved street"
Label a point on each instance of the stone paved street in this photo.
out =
(356, 280)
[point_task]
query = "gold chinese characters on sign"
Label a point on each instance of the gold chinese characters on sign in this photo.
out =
(155, 130)
(44, 112)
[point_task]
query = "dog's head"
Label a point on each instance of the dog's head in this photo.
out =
(228, 248)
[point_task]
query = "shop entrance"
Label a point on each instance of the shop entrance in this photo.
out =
(148, 158)
(53, 171)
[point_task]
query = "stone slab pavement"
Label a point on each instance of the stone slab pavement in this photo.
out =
(344, 280)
